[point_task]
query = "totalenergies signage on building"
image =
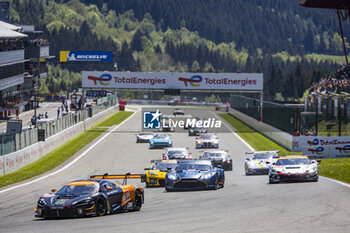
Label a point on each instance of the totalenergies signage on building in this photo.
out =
(182, 81)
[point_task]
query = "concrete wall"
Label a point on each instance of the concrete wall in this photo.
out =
(280, 137)
(16, 160)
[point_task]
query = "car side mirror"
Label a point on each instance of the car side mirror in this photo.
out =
(53, 190)
(248, 159)
(147, 168)
(109, 188)
(273, 163)
(169, 169)
(319, 160)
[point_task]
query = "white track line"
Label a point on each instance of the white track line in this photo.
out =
(252, 149)
(72, 162)
(335, 181)
(234, 133)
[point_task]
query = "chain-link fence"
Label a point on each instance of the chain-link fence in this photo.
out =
(14, 142)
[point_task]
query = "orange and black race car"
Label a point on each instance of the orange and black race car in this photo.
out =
(94, 196)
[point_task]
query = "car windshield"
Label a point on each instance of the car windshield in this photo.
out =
(164, 166)
(263, 155)
(294, 161)
(193, 166)
(214, 155)
(161, 136)
(206, 136)
(77, 190)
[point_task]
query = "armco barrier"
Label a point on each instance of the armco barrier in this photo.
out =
(16, 160)
(280, 137)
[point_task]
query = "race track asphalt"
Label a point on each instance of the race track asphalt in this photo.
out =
(245, 204)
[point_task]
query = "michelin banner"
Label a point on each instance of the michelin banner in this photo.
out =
(181, 81)
(86, 56)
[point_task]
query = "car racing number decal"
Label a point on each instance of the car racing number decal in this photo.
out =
(126, 197)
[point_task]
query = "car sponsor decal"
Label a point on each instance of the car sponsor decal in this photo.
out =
(61, 201)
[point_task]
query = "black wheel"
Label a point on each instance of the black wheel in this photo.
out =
(101, 207)
(216, 185)
(137, 204)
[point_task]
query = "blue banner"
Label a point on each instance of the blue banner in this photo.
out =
(86, 56)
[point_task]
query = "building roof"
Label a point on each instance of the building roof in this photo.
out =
(331, 4)
(9, 26)
(9, 31)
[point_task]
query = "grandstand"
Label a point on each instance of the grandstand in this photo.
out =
(329, 99)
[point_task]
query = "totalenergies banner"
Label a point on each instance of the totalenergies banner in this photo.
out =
(182, 81)
(335, 147)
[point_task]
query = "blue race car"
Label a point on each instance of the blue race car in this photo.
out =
(194, 175)
(160, 141)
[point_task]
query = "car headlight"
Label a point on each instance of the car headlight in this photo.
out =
(42, 201)
(151, 142)
(199, 142)
(207, 175)
(172, 176)
(169, 142)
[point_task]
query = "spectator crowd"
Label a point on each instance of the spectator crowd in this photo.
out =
(336, 83)
(11, 44)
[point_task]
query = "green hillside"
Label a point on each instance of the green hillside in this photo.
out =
(151, 43)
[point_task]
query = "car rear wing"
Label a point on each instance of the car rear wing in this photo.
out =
(119, 176)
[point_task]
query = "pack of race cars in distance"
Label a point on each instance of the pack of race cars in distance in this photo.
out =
(90, 197)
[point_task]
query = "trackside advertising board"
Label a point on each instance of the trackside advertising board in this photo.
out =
(183, 81)
(323, 147)
(86, 56)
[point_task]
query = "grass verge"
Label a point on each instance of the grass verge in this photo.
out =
(115, 119)
(338, 169)
(252, 137)
(62, 153)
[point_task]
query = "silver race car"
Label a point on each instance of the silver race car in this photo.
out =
(260, 162)
(219, 157)
(293, 168)
(207, 140)
(144, 137)
(177, 153)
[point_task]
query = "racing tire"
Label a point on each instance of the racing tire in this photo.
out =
(101, 207)
(138, 141)
(137, 204)
(168, 190)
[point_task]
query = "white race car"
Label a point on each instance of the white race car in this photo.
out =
(144, 137)
(207, 140)
(294, 167)
(260, 162)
